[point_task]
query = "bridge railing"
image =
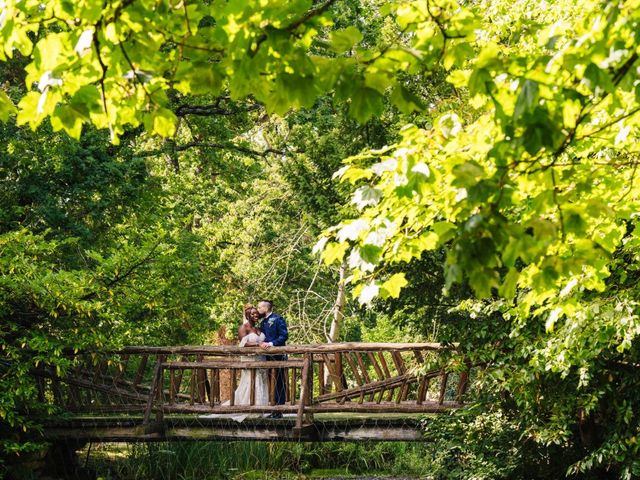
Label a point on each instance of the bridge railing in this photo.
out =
(338, 377)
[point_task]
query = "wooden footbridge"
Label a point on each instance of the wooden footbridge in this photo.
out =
(340, 391)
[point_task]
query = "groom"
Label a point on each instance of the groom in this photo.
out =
(275, 332)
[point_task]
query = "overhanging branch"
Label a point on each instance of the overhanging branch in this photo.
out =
(213, 146)
(213, 109)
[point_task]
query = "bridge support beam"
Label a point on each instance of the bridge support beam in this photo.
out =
(353, 429)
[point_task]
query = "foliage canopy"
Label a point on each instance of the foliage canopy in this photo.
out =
(505, 142)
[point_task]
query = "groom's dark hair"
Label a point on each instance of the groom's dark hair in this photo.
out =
(267, 301)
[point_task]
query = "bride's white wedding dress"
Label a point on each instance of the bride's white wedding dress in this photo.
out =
(242, 395)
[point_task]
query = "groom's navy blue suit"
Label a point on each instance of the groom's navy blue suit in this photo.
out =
(276, 333)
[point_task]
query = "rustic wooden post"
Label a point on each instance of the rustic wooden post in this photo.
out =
(419, 357)
(272, 386)
(172, 386)
(216, 385)
(401, 369)
(462, 386)
(287, 391)
(365, 373)
(252, 391)
(422, 390)
(212, 394)
(363, 367)
(160, 389)
(356, 373)
(463, 382)
(323, 388)
(390, 393)
(140, 371)
(201, 379)
(304, 394)
(443, 386)
(179, 374)
(331, 367)
(152, 392)
(383, 362)
(309, 399)
(376, 367)
(354, 369)
(292, 385)
(192, 386)
(387, 374)
(340, 370)
(398, 362)
(232, 387)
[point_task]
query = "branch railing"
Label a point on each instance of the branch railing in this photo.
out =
(338, 377)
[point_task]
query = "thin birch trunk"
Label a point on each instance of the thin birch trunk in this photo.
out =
(338, 317)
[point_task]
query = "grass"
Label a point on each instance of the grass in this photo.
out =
(256, 460)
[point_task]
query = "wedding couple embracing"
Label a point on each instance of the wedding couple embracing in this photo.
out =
(263, 328)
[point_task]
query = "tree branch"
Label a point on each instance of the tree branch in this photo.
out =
(134, 72)
(215, 146)
(555, 200)
(587, 109)
(314, 12)
(319, 10)
(609, 124)
(213, 109)
(104, 68)
(129, 271)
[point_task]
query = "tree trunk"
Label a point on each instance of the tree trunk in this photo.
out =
(336, 322)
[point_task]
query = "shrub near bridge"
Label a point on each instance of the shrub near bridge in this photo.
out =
(525, 176)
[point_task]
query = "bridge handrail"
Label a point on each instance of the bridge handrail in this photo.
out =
(289, 349)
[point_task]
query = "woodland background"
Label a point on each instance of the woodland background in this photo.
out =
(416, 170)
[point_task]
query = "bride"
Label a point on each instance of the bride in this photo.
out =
(250, 336)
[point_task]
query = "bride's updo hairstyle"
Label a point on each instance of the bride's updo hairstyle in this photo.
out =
(247, 312)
